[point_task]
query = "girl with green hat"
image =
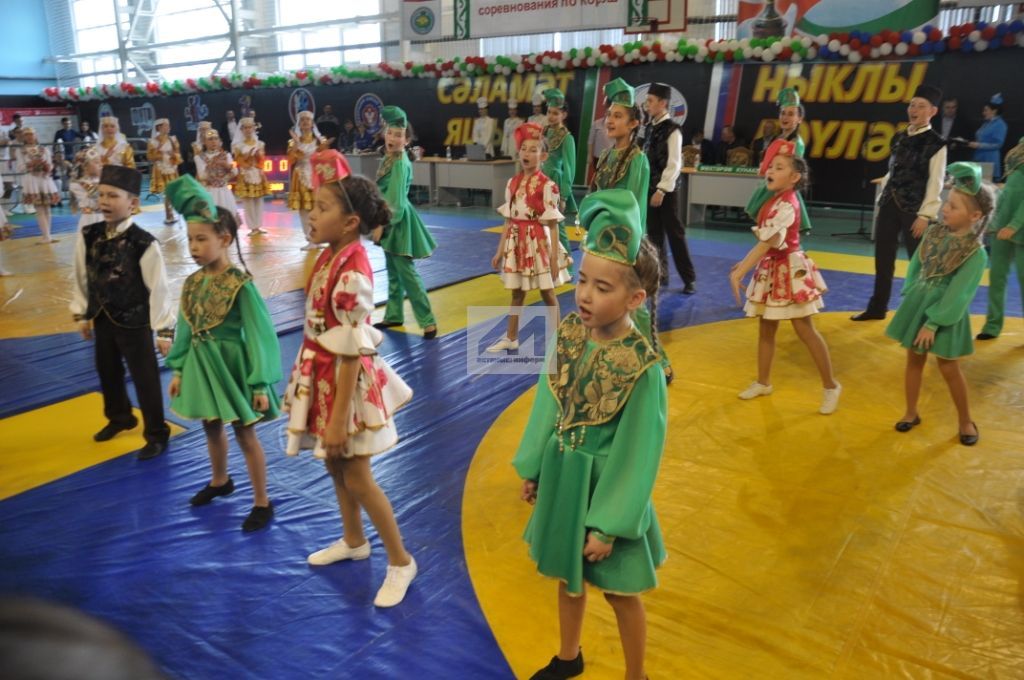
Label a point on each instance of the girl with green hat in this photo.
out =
(1007, 227)
(560, 165)
(406, 237)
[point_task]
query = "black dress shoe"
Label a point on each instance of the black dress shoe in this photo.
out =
(151, 450)
(111, 429)
(258, 518)
(690, 288)
(430, 335)
(868, 316)
(908, 425)
(209, 492)
(559, 670)
(985, 336)
(970, 439)
(388, 324)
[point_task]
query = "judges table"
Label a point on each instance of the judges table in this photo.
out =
(719, 185)
(462, 174)
(364, 164)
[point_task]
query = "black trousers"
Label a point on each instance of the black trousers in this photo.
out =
(663, 222)
(893, 225)
(116, 346)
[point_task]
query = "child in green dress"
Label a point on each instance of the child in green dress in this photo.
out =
(593, 444)
(942, 278)
(225, 355)
(406, 237)
(560, 165)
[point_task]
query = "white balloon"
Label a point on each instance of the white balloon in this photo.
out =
(806, 41)
(767, 56)
(981, 46)
(918, 38)
(758, 51)
(812, 53)
(777, 47)
(974, 36)
(900, 49)
(834, 45)
(855, 57)
(845, 50)
(886, 49)
(874, 52)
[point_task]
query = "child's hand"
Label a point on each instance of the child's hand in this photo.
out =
(596, 550)
(164, 345)
(529, 492)
(925, 338)
(175, 387)
(85, 328)
(495, 262)
(1005, 234)
(918, 227)
(335, 441)
(260, 403)
(736, 283)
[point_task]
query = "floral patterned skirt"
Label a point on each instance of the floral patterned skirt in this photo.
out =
(785, 286)
(39, 190)
(527, 261)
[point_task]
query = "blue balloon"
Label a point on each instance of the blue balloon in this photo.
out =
(939, 46)
(1017, 26)
(967, 47)
(906, 36)
(928, 28)
(1002, 29)
(926, 48)
(981, 25)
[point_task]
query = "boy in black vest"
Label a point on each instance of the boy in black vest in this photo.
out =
(663, 145)
(910, 194)
(119, 296)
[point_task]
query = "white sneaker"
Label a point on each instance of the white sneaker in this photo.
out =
(503, 344)
(396, 583)
(756, 389)
(338, 551)
(830, 400)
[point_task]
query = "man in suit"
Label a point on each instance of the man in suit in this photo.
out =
(952, 127)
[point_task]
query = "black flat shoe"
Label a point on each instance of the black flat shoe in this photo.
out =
(970, 439)
(908, 425)
(388, 324)
(690, 288)
(670, 375)
(985, 336)
(430, 335)
(209, 492)
(258, 518)
(559, 670)
(868, 316)
(151, 450)
(111, 429)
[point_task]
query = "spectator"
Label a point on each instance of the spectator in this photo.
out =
(87, 136)
(328, 123)
(955, 131)
(728, 142)
(347, 136)
(230, 129)
(364, 139)
(707, 149)
(768, 135)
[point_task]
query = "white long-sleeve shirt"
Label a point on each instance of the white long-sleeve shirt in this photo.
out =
(932, 200)
(669, 176)
(162, 314)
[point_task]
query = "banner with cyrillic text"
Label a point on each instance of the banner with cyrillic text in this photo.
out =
(482, 18)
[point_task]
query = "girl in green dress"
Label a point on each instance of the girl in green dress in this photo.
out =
(624, 166)
(560, 166)
(406, 238)
(225, 355)
(942, 278)
(1007, 229)
(591, 450)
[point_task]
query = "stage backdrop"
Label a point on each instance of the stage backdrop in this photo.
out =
(852, 110)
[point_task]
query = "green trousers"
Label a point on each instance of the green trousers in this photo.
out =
(1004, 255)
(404, 280)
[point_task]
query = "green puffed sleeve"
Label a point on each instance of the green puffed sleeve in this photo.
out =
(637, 181)
(620, 504)
(259, 338)
(395, 188)
(182, 344)
(958, 295)
(539, 430)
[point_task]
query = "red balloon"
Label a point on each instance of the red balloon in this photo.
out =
(865, 51)
(913, 50)
(935, 35)
(876, 40)
(954, 42)
(786, 53)
(1009, 40)
(644, 50)
(855, 44)
(967, 28)
(989, 32)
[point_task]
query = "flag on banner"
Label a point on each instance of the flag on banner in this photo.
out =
(421, 19)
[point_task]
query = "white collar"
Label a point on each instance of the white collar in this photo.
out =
(123, 226)
(663, 117)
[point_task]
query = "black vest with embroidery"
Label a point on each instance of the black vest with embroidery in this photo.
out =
(656, 148)
(114, 274)
(908, 168)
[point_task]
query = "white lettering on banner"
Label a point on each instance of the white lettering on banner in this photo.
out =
(505, 17)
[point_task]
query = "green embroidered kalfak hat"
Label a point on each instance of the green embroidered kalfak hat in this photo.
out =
(554, 97)
(612, 220)
(191, 199)
(966, 177)
(394, 117)
(788, 97)
(620, 92)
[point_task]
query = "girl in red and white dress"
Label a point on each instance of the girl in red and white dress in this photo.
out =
(304, 142)
(786, 283)
(85, 187)
(529, 255)
(342, 396)
(215, 168)
(37, 185)
(164, 154)
(252, 184)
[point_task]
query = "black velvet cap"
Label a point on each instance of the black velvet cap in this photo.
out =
(121, 177)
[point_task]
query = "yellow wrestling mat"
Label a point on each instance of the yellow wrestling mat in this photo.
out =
(800, 545)
(45, 444)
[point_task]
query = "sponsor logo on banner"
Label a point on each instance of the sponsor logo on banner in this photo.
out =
(300, 100)
(142, 119)
(367, 112)
(195, 111)
(763, 18)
